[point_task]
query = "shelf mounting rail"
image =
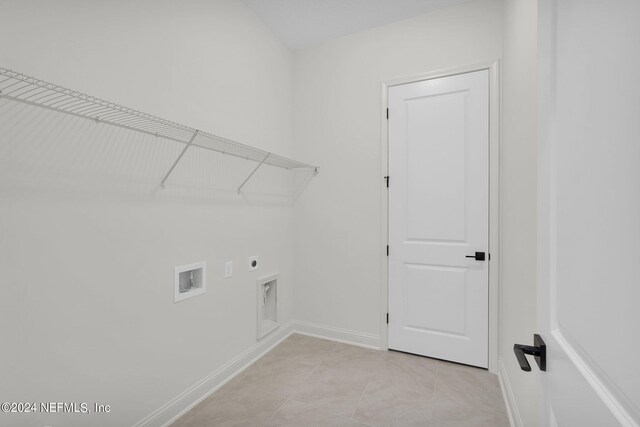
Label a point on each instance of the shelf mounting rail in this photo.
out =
(29, 90)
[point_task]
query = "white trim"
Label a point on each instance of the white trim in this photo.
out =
(185, 401)
(495, 225)
(444, 72)
(494, 198)
(361, 339)
(509, 399)
(604, 393)
(384, 216)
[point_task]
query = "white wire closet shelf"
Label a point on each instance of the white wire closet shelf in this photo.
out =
(22, 88)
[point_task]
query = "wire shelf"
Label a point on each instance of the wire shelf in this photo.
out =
(22, 88)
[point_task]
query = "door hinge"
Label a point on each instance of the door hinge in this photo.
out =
(387, 250)
(387, 114)
(387, 318)
(386, 178)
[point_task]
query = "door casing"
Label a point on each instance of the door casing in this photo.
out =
(494, 198)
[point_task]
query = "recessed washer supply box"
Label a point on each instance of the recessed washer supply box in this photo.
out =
(190, 281)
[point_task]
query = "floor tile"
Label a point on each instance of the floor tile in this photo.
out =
(339, 384)
(448, 413)
(340, 352)
(281, 377)
(301, 349)
(306, 381)
(183, 421)
(392, 406)
(408, 372)
(296, 414)
(470, 387)
(239, 404)
(339, 394)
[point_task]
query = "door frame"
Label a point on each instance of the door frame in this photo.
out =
(494, 198)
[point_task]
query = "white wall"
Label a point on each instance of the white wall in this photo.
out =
(88, 244)
(337, 124)
(518, 191)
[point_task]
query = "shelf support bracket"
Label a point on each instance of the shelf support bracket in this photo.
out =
(253, 172)
(175, 163)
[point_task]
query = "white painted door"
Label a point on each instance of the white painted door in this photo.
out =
(589, 212)
(438, 216)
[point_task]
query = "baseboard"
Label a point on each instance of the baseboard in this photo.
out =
(346, 336)
(181, 404)
(509, 399)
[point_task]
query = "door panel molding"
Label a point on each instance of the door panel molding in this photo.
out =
(612, 398)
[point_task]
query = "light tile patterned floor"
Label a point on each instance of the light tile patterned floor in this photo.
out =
(313, 382)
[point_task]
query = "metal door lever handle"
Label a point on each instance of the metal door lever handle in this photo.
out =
(538, 350)
(479, 256)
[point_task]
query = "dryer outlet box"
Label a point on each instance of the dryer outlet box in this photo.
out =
(267, 305)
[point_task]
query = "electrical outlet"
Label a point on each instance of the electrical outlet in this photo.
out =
(228, 269)
(253, 263)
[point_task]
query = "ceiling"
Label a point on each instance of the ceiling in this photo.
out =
(305, 23)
